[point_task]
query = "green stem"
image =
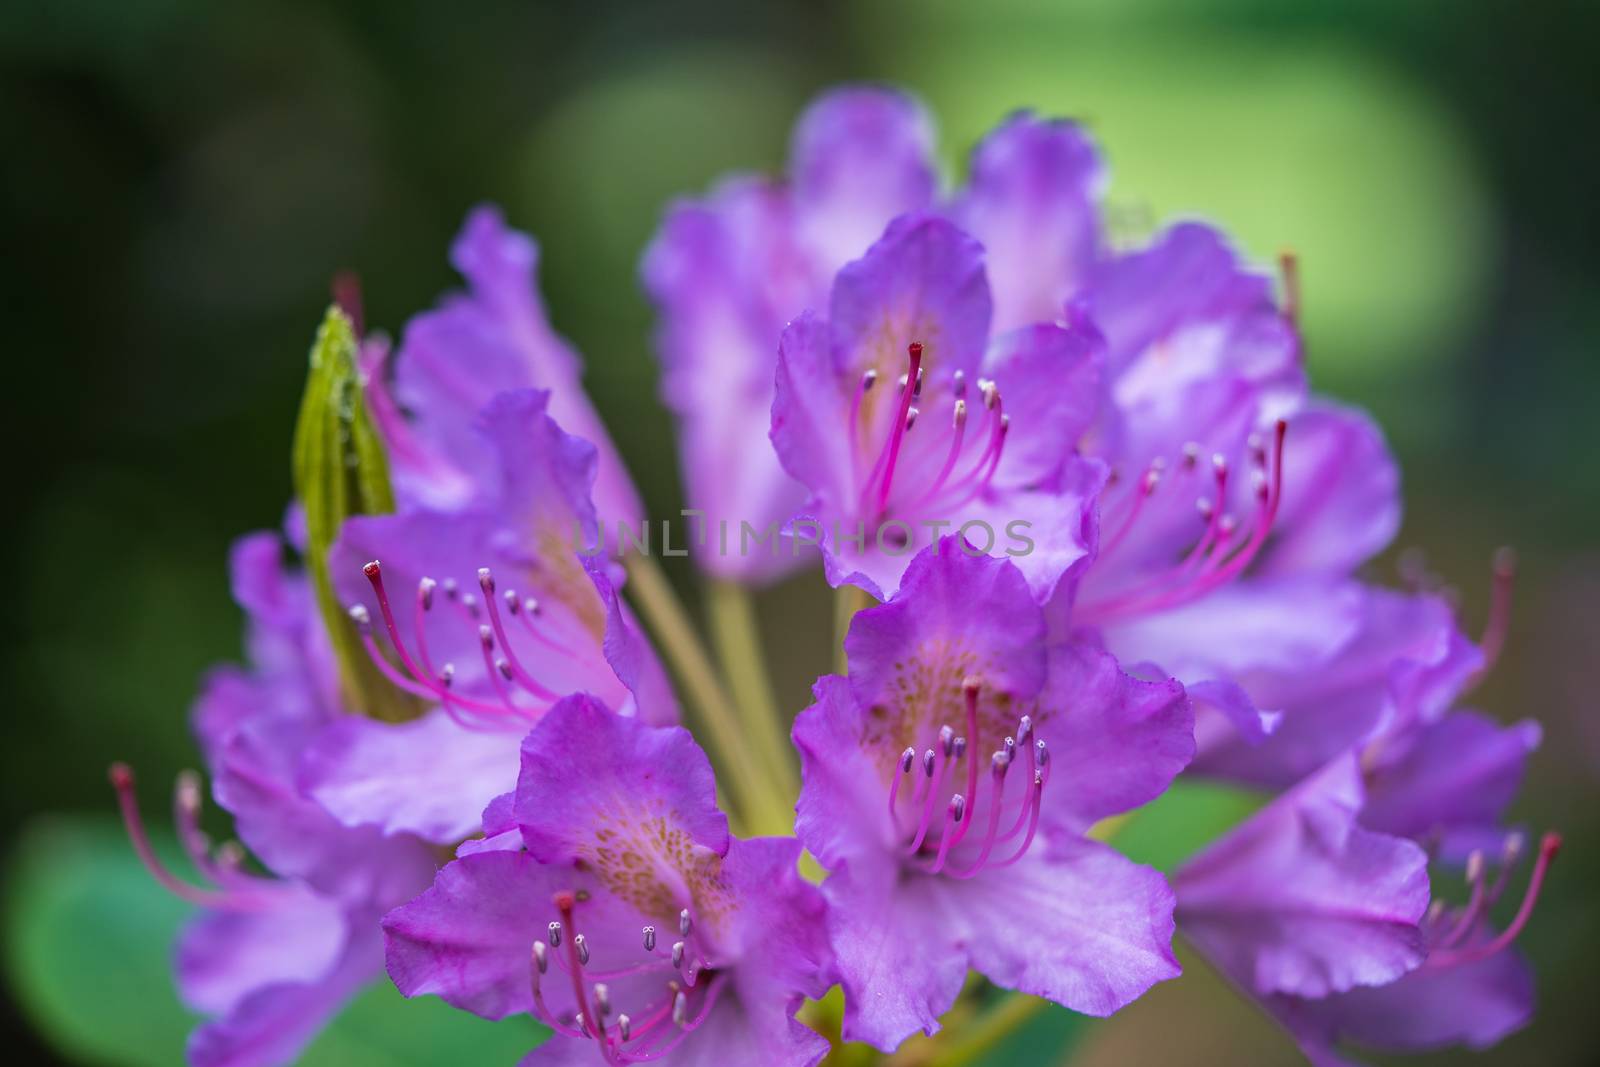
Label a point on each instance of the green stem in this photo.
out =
(755, 808)
(995, 1026)
(737, 639)
(848, 600)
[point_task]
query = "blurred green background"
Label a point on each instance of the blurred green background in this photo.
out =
(181, 179)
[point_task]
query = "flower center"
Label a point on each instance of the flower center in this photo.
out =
(506, 702)
(1458, 935)
(943, 468)
(678, 1007)
(946, 849)
(1221, 552)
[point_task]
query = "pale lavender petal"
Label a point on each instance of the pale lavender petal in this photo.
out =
(1475, 1004)
(726, 274)
(1032, 199)
(860, 157)
(1461, 772)
(270, 1027)
(223, 956)
(427, 777)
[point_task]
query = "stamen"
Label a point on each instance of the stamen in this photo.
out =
(1498, 626)
(122, 781)
(897, 432)
(1548, 849)
(649, 938)
(1289, 267)
(685, 924)
(486, 581)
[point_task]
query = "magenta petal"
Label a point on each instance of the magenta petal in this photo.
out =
(1050, 379)
(1033, 200)
(955, 616)
(860, 156)
(810, 413)
(898, 957)
(1341, 494)
(921, 281)
(1080, 925)
(843, 809)
(1300, 899)
(595, 781)
(1115, 741)
(468, 937)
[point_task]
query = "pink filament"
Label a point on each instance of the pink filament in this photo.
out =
(1451, 957)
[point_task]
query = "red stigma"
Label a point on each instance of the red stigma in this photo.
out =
(914, 349)
(121, 776)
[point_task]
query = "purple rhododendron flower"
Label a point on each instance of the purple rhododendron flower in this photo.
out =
(948, 783)
(621, 913)
(909, 332)
(452, 361)
(1319, 905)
(542, 622)
(271, 960)
(727, 272)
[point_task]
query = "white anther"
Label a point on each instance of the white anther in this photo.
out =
(486, 581)
(581, 943)
(425, 592)
(362, 619)
(685, 924)
(961, 414)
(649, 938)
(677, 954)
(602, 999)
(555, 935)
(625, 1027)
(958, 808)
(680, 1009)
(541, 957)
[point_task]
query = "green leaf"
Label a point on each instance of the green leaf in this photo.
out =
(1183, 820)
(381, 1028)
(340, 471)
(88, 944)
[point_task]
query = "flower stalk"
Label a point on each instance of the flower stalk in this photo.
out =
(757, 807)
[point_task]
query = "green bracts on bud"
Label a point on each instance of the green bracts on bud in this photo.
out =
(340, 471)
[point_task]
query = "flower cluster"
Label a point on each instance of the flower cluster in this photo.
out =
(890, 373)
